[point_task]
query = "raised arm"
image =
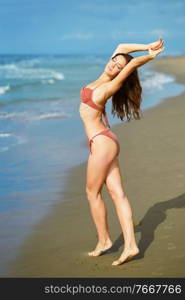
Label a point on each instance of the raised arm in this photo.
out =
(115, 84)
(128, 48)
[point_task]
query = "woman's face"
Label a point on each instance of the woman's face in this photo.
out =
(115, 65)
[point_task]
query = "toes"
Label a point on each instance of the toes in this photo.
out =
(117, 262)
(94, 253)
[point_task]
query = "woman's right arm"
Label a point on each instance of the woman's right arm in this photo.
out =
(141, 60)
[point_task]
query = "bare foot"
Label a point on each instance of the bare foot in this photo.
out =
(100, 248)
(125, 256)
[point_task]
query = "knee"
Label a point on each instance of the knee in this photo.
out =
(117, 195)
(91, 193)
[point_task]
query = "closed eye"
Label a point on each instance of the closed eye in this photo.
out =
(118, 65)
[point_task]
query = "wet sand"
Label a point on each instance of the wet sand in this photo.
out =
(152, 165)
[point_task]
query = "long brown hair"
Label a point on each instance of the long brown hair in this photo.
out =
(127, 100)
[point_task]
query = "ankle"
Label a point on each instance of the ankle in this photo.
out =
(131, 246)
(104, 241)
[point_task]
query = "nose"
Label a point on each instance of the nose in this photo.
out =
(112, 64)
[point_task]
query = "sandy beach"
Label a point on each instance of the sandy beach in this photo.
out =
(152, 164)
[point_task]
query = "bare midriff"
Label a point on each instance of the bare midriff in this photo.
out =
(92, 120)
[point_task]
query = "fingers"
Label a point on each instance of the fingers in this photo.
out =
(154, 53)
(161, 42)
(159, 50)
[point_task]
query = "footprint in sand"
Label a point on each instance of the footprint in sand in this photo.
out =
(180, 255)
(169, 226)
(158, 271)
(165, 237)
(180, 175)
(171, 246)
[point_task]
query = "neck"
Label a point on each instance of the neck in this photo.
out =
(104, 77)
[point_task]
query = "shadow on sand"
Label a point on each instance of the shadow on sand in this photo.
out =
(147, 226)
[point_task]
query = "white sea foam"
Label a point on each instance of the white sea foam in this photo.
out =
(5, 115)
(4, 89)
(50, 81)
(58, 75)
(26, 72)
(155, 80)
(5, 135)
(32, 116)
(50, 116)
(29, 62)
(13, 140)
(8, 67)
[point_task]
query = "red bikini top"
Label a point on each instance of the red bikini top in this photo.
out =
(86, 97)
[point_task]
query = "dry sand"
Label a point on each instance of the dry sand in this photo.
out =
(152, 161)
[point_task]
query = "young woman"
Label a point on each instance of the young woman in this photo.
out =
(120, 81)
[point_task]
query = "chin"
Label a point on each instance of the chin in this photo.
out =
(109, 73)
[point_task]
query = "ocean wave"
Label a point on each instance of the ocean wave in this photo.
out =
(30, 62)
(50, 116)
(8, 67)
(2, 135)
(5, 115)
(32, 116)
(26, 72)
(156, 80)
(4, 89)
(50, 81)
(13, 140)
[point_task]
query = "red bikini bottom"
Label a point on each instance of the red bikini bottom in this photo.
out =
(109, 134)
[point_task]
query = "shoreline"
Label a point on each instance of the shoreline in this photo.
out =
(170, 65)
(58, 245)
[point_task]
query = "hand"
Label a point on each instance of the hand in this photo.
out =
(156, 45)
(154, 53)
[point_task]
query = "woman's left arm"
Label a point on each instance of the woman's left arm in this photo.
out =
(128, 48)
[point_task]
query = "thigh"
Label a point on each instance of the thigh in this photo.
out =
(114, 181)
(99, 163)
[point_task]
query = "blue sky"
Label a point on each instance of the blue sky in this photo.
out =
(84, 26)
